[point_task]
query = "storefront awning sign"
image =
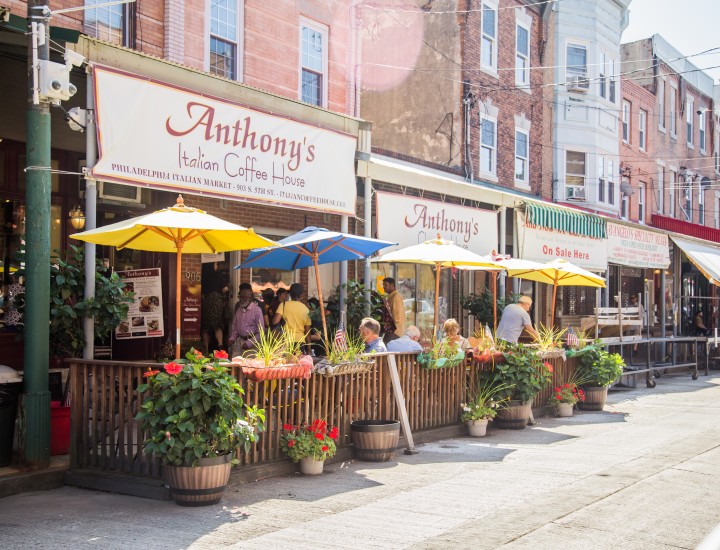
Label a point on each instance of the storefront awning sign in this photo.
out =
(565, 220)
(636, 247)
(542, 244)
(160, 136)
(412, 220)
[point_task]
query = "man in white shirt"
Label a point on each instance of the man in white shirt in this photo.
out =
(408, 343)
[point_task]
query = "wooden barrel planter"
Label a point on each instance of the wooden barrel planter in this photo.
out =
(200, 485)
(375, 440)
(595, 397)
(513, 417)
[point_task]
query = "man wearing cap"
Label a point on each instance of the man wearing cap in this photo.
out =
(515, 318)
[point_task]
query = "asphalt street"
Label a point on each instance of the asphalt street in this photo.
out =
(643, 474)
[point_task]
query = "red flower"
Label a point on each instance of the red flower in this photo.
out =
(318, 426)
(548, 366)
(287, 427)
(325, 448)
(334, 433)
(198, 353)
(221, 354)
(319, 436)
(173, 368)
(291, 443)
(150, 373)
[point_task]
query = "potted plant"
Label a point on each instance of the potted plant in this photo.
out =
(442, 354)
(549, 342)
(482, 406)
(523, 375)
(345, 355)
(274, 355)
(597, 370)
(565, 396)
(194, 418)
(309, 444)
(485, 347)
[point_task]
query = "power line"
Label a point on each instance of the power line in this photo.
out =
(421, 11)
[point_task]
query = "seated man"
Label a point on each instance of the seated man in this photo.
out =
(407, 343)
(370, 333)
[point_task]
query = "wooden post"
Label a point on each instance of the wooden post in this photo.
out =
(400, 402)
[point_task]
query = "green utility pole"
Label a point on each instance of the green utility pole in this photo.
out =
(35, 409)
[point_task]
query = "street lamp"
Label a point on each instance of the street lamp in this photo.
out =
(77, 217)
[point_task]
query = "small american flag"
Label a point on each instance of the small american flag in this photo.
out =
(572, 338)
(488, 333)
(340, 339)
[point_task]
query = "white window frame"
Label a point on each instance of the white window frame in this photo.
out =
(641, 202)
(626, 109)
(126, 26)
(493, 40)
(673, 112)
(702, 130)
(612, 187)
(324, 31)
(606, 78)
(522, 74)
(661, 189)
(584, 175)
(601, 179)
(624, 207)
(688, 196)
(701, 205)
(526, 159)
(237, 43)
(492, 149)
(690, 122)
(673, 189)
(661, 104)
(571, 73)
(642, 142)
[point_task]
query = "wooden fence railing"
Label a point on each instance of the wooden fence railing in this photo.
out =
(105, 400)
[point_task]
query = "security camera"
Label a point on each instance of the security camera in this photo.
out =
(73, 58)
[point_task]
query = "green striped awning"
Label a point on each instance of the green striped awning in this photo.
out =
(565, 220)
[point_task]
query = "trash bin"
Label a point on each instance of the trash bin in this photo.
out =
(10, 390)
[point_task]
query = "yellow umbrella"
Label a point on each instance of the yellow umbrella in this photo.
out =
(180, 229)
(441, 254)
(556, 273)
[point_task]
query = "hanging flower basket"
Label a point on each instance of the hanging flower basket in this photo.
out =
(350, 367)
(258, 374)
(426, 361)
(488, 356)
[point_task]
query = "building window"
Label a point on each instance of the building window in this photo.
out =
(575, 171)
(624, 204)
(521, 156)
(224, 38)
(109, 23)
(488, 146)
(641, 202)
(610, 175)
(701, 128)
(673, 112)
(626, 121)
(643, 129)
(661, 104)
(687, 208)
(606, 78)
(576, 70)
(701, 205)
(488, 47)
(602, 182)
(717, 159)
(661, 190)
(522, 56)
(313, 64)
(673, 191)
(689, 121)
(612, 80)
(717, 213)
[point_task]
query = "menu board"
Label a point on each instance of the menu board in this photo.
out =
(145, 314)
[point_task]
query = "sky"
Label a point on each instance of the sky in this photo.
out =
(690, 26)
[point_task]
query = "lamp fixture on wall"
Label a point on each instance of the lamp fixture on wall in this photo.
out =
(77, 217)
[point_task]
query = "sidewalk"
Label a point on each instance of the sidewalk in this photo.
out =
(644, 473)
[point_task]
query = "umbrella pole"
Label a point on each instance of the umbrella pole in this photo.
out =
(552, 311)
(320, 296)
(437, 296)
(177, 301)
(494, 281)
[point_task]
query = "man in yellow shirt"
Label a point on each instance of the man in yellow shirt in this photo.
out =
(295, 313)
(396, 307)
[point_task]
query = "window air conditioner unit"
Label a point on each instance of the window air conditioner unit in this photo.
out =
(119, 192)
(578, 84)
(575, 193)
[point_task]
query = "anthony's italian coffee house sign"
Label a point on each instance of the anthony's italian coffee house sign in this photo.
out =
(412, 220)
(157, 135)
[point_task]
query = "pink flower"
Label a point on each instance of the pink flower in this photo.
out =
(173, 368)
(168, 436)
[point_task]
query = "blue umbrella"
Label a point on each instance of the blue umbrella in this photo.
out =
(311, 247)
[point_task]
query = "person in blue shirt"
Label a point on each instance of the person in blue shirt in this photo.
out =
(408, 343)
(370, 333)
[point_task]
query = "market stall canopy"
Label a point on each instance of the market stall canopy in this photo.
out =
(705, 257)
(441, 254)
(180, 229)
(311, 247)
